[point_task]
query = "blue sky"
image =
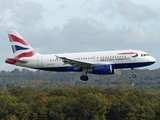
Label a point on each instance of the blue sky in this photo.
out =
(57, 26)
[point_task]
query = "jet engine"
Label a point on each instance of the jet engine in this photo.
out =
(105, 69)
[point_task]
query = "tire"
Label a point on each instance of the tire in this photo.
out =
(133, 75)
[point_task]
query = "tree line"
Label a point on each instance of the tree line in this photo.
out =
(146, 79)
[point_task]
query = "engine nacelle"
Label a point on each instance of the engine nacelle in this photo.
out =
(102, 69)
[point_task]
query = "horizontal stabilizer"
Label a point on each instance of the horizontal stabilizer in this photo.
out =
(13, 61)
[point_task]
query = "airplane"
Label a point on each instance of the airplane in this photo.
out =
(100, 63)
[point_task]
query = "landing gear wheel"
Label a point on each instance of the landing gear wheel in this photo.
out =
(84, 78)
(133, 75)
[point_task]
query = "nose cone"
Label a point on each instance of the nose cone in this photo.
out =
(152, 59)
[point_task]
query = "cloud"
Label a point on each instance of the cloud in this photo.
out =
(84, 35)
(62, 6)
(88, 34)
(138, 34)
(20, 13)
(135, 12)
(27, 13)
(128, 10)
(7, 4)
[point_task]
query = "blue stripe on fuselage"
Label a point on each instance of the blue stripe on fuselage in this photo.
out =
(132, 65)
(61, 69)
(116, 66)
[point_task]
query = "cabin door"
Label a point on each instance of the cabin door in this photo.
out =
(39, 61)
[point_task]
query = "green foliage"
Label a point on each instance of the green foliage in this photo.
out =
(22, 111)
(141, 113)
(77, 103)
(119, 109)
(56, 107)
(93, 107)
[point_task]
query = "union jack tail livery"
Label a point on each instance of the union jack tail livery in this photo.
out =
(20, 47)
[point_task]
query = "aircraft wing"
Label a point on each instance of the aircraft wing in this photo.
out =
(78, 63)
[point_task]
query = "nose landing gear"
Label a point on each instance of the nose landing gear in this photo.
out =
(133, 75)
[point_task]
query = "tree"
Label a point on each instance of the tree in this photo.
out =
(119, 110)
(7, 106)
(93, 106)
(139, 112)
(22, 111)
(56, 108)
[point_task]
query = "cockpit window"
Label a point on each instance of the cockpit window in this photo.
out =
(142, 55)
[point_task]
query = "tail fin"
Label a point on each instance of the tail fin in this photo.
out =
(19, 46)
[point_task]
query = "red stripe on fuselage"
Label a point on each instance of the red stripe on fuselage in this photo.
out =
(14, 38)
(26, 54)
(128, 53)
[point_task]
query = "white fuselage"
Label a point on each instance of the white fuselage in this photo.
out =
(120, 59)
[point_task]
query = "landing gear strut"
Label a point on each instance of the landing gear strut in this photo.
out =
(133, 75)
(84, 77)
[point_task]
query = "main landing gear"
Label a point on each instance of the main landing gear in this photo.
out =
(133, 75)
(84, 77)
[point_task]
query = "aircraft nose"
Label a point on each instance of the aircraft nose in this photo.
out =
(152, 59)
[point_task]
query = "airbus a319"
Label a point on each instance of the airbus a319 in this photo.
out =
(100, 63)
